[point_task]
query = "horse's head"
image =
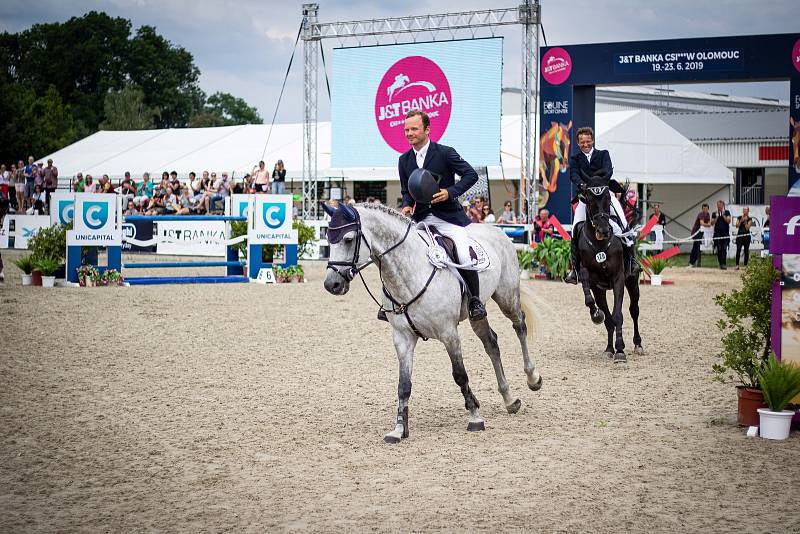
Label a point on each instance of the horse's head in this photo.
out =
(344, 238)
(594, 192)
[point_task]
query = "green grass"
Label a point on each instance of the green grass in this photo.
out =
(707, 261)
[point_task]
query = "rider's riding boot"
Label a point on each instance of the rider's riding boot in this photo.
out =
(476, 309)
(632, 267)
(382, 315)
(572, 277)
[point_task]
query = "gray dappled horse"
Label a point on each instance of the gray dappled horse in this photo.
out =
(603, 268)
(423, 301)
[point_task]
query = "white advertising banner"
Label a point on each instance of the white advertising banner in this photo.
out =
(272, 222)
(21, 228)
(192, 238)
(95, 220)
(239, 205)
(63, 208)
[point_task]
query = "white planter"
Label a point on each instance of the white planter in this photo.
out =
(774, 425)
(655, 280)
(525, 275)
(26, 279)
(48, 281)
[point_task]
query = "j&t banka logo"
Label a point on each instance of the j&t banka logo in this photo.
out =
(273, 214)
(95, 214)
(66, 211)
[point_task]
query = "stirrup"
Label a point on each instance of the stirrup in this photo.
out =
(572, 277)
(477, 310)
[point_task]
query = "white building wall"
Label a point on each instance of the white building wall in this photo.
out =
(741, 153)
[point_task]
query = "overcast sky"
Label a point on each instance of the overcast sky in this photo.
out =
(243, 47)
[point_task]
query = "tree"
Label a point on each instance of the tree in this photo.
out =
(233, 110)
(167, 75)
(126, 110)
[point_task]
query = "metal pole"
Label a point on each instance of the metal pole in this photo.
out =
(528, 17)
(310, 54)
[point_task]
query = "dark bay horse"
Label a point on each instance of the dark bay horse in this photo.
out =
(603, 268)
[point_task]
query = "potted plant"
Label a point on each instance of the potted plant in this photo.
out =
(525, 259)
(50, 242)
(746, 336)
(48, 267)
(87, 274)
(656, 267)
(298, 274)
(112, 277)
(25, 264)
(281, 274)
(780, 383)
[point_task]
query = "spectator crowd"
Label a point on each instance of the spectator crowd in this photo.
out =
(26, 188)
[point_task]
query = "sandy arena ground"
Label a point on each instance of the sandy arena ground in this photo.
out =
(262, 408)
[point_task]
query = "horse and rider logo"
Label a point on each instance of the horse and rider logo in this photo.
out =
(413, 82)
(554, 159)
(273, 214)
(95, 214)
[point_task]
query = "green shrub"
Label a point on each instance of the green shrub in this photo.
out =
(657, 265)
(746, 326)
(49, 242)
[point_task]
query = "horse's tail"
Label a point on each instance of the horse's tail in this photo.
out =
(531, 304)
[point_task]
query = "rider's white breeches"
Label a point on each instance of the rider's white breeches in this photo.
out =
(616, 207)
(455, 232)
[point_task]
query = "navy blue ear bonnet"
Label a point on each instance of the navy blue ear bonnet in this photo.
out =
(343, 220)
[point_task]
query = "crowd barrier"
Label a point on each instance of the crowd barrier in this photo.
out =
(269, 228)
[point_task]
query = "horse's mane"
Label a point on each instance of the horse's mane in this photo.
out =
(385, 209)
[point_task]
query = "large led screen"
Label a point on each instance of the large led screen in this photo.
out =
(458, 83)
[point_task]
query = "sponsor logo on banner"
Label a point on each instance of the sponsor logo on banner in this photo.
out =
(556, 66)
(556, 107)
(128, 231)
(66, 211)
(274, 214)
(95, 214)
(414, 82)
(792, 224)
(796, 55)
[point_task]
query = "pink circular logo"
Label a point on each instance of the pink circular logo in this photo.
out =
(414, 82)
(796, 55)
(556, 66)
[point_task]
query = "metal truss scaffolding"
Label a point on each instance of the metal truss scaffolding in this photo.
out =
(527, 14)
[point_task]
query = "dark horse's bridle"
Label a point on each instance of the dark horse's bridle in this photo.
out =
(355, 269)
(597, 191)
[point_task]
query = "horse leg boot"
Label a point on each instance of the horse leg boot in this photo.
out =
(477, 311)
(404, 344)
(575, 258)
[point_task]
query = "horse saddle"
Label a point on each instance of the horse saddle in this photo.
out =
(478, 257)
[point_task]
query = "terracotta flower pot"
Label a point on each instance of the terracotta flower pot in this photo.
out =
(36, 277)
(750, 400)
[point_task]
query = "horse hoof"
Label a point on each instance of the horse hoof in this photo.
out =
(620, 357)
(638, 350)
(608, 354)
(475, 426)
(514, 406)
(598, 317)
(537, 386)
(388, 438)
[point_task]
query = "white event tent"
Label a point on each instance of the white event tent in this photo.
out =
(644, 149)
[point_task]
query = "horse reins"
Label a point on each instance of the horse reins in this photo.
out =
(354, 268)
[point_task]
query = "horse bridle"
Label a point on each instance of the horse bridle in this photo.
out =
(354, 268)
(597, 191)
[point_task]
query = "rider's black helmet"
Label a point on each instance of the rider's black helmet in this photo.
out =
(422, 185)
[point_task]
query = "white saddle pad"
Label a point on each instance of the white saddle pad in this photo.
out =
(437, 255)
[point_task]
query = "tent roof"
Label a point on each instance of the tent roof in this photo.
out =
(643, 148)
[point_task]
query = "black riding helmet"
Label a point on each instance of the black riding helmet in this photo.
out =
(422, 185)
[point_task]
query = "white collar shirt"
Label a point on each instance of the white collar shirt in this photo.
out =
(421, 153)
(589, 155)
